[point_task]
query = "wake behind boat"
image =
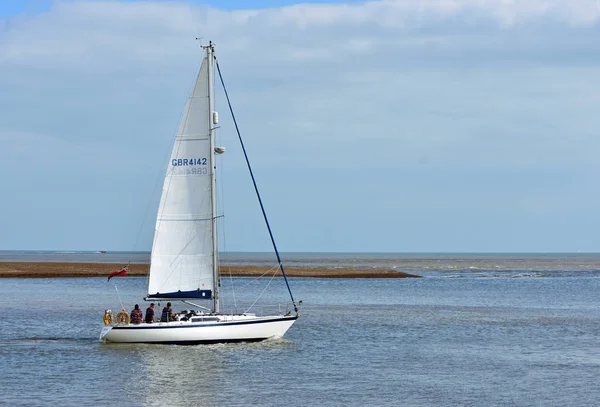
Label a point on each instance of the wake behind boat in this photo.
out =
(184, 258)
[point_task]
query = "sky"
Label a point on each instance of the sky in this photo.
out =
(377, 126)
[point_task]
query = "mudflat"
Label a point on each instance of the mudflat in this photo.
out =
(55, 269)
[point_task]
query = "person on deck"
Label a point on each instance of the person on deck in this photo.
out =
(149, 314)
(167, 314)
(136, 315)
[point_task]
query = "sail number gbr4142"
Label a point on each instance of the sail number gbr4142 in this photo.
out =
(189, 166)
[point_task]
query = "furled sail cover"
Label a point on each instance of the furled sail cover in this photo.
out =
(181, 261)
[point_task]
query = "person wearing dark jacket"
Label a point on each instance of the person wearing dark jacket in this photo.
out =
(149, 314)
(166, 313)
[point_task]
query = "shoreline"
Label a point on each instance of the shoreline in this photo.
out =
(13, 269)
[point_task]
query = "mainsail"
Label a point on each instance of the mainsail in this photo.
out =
(181, 264)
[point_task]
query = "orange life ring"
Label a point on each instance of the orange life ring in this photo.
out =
(123, 317)
(108, 317)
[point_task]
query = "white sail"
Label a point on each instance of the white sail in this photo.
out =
(181, 264)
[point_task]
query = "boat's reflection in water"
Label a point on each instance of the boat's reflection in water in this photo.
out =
(195, 375)
(172, 375)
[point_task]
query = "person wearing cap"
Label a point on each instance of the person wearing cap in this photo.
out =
(149, 314)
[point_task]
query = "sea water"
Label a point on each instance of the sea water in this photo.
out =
(496, 335)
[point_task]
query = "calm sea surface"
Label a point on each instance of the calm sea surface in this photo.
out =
(478, 330)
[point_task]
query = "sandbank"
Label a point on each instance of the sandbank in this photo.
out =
(62, 269)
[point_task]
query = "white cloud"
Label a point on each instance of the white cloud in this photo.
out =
(91, 33)
(346, 94)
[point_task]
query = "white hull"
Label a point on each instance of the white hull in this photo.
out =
(228, 328)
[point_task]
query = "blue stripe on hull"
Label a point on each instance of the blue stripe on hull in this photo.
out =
(202, 325)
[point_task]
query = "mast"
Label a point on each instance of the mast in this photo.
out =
(213, 200)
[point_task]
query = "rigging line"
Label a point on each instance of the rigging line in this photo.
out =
(227, 268)
(195, 305)
(119, 297)
(263, 291)
(258, 277)
(255, 186)
(221, 192)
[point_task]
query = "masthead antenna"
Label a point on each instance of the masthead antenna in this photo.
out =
(210, 43)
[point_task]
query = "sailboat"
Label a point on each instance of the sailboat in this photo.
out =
(184, 260)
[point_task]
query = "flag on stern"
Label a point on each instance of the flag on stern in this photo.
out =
(120, 273)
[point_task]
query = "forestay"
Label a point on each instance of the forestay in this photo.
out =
(181, 264)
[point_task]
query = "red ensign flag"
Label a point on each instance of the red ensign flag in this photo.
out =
(120, 273)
